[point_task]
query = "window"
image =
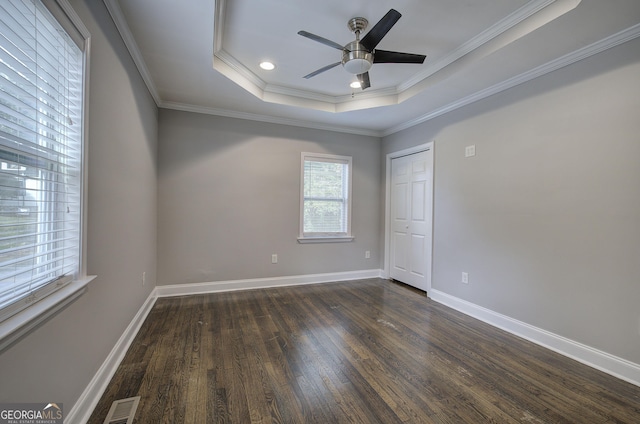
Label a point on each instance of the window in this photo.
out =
(41, 139)
(325, 210)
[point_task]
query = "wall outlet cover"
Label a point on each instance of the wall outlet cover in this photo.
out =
(470, 151)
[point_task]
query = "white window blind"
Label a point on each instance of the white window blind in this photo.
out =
(41, 81)
(326, 194)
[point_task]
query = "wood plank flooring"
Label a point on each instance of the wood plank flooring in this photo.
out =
(369, 351)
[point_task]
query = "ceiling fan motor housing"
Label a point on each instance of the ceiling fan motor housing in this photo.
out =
(356, 59)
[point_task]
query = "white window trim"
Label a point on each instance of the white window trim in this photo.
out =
(326, 238)
(17, 326)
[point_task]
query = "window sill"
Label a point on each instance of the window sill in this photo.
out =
(17, 326)
(340, 239)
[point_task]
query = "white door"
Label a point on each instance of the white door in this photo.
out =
(411, 194)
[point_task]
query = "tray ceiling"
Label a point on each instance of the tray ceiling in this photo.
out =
(203, 55)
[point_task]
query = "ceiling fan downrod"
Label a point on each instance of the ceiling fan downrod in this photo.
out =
(355, 58)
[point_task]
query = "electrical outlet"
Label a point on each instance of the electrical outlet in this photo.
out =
(367, 254)
(144, 277)
(465, 278)
(470, 151)
(274, 258)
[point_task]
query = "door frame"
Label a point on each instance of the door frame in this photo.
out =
(387, 208)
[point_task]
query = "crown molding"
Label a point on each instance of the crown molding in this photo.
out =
(337, 100)
(219, 24)
(113, 6)
(303, 94)
(235, 66)
(553, 65)
(269, 119)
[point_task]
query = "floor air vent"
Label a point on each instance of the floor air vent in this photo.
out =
(122, 411)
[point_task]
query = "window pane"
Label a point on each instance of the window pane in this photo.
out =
(325, 195)
(40, 153)
(324, 179)
(321, 216)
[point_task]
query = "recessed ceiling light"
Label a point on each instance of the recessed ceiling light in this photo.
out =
(355, 84)
(267, 66)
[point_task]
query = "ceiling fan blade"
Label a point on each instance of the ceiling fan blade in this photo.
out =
(364, 80)
(321, 40)
(373, 37)
(321, 70)
(384, 56)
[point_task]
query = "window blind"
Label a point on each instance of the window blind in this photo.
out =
(41, 80)
(326, 196)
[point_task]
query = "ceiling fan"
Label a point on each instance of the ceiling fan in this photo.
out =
(358, 56)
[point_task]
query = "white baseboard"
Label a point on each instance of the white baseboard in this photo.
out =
(83, 408)
(261, 283)
(603, 361)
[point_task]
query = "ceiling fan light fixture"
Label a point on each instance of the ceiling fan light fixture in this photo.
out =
(357, 66)
(355, 59)
(355, 84)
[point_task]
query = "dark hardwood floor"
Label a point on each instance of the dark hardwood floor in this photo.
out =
(369, 351)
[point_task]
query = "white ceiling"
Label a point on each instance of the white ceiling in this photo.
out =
(203, 55)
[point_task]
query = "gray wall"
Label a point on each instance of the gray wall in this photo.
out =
(57, 361)
(546, 218)
(229, 197)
